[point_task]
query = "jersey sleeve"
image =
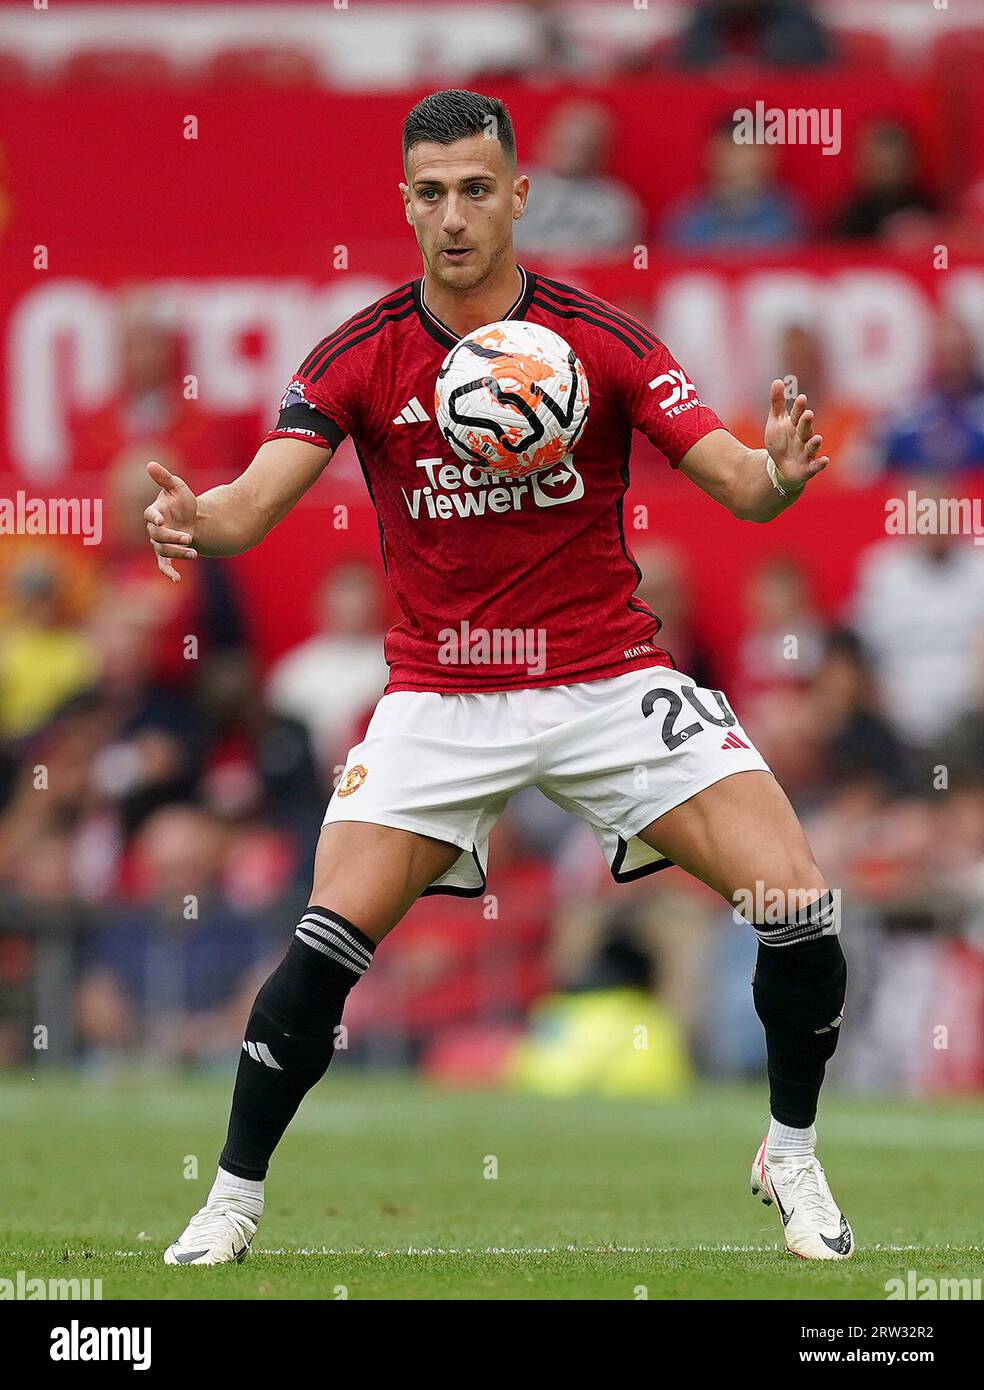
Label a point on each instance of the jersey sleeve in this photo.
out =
(661, 401)
(320, 403)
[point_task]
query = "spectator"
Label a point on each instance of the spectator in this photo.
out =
(177, 969)
(779, 655)
(152, 404)
(204, 603)
(888, 185)
(859, 742)
(547, 46)
(741, 204)
(36, 905)
(963, 744)
(944, 432)
(784, 644)
(964, 233)
(574, 207)
(726, 1040)
(151, 737)
(666, 921)
(774, 33)
(329, 682)
(843, 425)
(43, 659)
(919, 609)
(259, 760)
(65, 750)
(665, 590)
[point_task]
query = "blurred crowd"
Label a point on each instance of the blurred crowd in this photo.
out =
(540, 40)
(577, 208)
(939, 432)
(161, 795)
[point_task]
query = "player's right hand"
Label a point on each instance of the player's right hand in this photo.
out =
(171, 520)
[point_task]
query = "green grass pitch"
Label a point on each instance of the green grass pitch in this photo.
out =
(383, 1189)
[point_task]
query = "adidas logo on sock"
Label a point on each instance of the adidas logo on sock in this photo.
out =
(411, 414)
(261, 1053)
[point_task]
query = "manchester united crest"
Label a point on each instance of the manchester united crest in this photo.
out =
(352, 780)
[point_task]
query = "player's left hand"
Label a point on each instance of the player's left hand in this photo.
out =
(791, 439)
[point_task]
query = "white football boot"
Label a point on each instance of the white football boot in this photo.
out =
(219, 1234)
(814, 1227)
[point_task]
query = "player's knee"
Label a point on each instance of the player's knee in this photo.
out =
(801, 886)
(786, 893)
(797, 874)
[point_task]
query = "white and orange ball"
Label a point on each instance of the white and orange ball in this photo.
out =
(512, 398)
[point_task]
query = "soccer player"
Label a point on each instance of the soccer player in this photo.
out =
(602, 721)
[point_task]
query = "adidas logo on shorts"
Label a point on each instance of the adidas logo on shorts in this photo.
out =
(733, 741)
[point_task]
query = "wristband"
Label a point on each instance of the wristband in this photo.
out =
(780, 484)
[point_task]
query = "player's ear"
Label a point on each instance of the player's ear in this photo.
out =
(521, 191)
(405, 191)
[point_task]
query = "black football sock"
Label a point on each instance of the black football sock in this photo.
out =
(291, 1035)
(799, 986)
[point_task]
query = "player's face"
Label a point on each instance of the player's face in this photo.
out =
(461, 201)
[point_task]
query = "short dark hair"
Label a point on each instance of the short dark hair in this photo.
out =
(445, 117)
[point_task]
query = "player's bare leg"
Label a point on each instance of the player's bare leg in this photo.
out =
(365, 878)
(373, 874)
(742, 838)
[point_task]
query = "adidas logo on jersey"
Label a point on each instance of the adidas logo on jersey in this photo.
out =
(411, 414)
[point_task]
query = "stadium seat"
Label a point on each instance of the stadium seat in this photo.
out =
(864, 49)
(956, 61)
(127, 65)
(13, 69)
(855, 48)
(269, 65)
(659, 55)
(962, 45)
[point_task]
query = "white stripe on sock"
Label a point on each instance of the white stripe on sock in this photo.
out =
(340, 930)
(266, 1057)
(334, 940)
(327, 951)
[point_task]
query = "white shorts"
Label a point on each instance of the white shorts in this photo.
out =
(617, 752)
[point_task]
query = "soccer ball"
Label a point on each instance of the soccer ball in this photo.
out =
(512, 398)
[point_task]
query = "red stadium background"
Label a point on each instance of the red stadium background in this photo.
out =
(247, 267)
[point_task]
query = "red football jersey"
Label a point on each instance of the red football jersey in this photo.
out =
(472, 558)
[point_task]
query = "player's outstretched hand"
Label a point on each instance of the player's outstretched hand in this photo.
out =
(791, 439)
(171, 520)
